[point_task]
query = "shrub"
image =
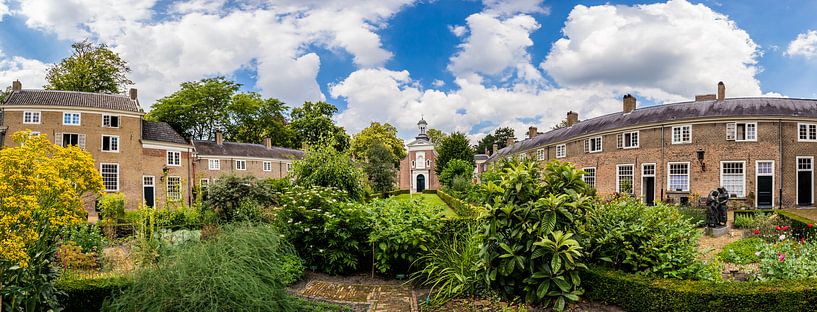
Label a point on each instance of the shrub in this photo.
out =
(329, 231)
(82, 293)
(639, 293)
(741, 251)
(86, 236)
(323, 165)
(402, 231)
(696, 215)
(456, 168)
(648, 240)
(225, 196)
(31, 288)
(69, 256)
(239, 270)
(463, 209)
(528, 247)
(112, 207)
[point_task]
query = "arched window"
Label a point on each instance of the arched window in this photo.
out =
(413, 164)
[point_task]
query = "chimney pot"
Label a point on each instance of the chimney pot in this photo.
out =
(721, 91)
(16, 85)
(268, 143)
(219, 138)
(572, 118)
(629, 103)
(495, 148)
(132, 92)
(532, 132)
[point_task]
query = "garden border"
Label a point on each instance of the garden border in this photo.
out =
(89, 293)
(463, 209)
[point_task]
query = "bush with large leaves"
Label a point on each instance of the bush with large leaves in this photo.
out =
(402, 231)
(529, 247)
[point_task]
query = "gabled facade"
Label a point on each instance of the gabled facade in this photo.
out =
(417, 169)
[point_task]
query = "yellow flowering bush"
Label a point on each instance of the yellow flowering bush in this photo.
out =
(41, 189)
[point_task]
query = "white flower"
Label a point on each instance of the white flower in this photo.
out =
(306, 229)
(757, 254)
(782, 236)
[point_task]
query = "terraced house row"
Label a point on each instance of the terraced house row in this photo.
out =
(760, 149)
(147, 161)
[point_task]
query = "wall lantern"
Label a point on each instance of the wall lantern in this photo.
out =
(700, 154)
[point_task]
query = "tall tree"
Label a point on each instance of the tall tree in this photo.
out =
(435, 135)
(377, 133)
(380, 167)
(254, 118)
(198, 109)
(500, 137)
(324, 165)
(313, 125)
(91, 68)
(455, 146)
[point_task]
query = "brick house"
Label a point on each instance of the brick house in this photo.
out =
(147, 161)
(416, 172)
(760, 149)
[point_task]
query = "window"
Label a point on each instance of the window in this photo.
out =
(540, 154)
(240, 165)
(289, 167)
(413, 164)
(174, 158)
(593, 145)
(803, 164)
(741, 131)
(428, 163)
(31, 117)
(808, 132)
(66, 139)
(589, 177)
(110, 121)
(678, 179)
(267, 166)
(523, 156)
(627, 140)
(214, 164)
(204, 183)
(110, 143)
(733, 178)
(624, 179)
(648, 170)
(70, 119)
(147, 181)
(174, 188)
(765, 168)
(110, 177)
(682, 134)
(561, 151)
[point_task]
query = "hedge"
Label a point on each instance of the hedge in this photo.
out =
(462, 208)
(88, 294)
(799, 225)
(753, 212)
(638, 293)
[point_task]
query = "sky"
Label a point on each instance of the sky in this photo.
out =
(467, 65)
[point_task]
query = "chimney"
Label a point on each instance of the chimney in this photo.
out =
(495, 148)
(705, 97)
(132, 92)
(721, 91)
(16, 85)
(219, 138)
(487, 152)
(629, 103)
(509, 141)
(532, 132)
(268, 143)
(572, 118)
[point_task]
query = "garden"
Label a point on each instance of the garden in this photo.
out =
(528, 237)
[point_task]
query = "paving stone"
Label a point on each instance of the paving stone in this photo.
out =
(381, 298)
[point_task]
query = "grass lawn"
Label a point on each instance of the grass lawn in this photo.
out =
(432, 199)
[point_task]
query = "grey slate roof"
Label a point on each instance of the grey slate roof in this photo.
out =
(160, 131)
(734, 107)
(72, 98)
(233, 149)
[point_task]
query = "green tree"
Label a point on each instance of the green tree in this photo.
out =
(500, 137)
(198, 108)
(456, 168)
(380, 167)
(377, 133)
(313, 125)
(254, 118)
(91, 68)
(324, 165)
(455, 146)
(561, 124)
(435, 135)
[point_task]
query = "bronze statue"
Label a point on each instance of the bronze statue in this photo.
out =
(716, 208)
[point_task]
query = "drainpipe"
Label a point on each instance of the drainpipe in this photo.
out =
(662, 162)
(189, 177)
(780, 164)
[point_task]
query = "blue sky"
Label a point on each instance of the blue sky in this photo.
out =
(466, 65)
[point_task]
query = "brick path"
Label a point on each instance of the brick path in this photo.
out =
(381, 298)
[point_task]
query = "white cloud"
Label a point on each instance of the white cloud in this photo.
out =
(804, 45)
(458, 30)
(438, 83)
(30, 72)
(4, 9)
(668, 50)
(201, 6)
(510, 7)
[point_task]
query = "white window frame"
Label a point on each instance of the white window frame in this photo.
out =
(204, 183)
(619, 176)
(797, 178)
(594, 175)
(118, 121)
(688, 174)
(31, 115)
(808, 133)
(118, 173)
(732, 131)
(644, 174)
(591, 147)
(211, 162)
(680, 139)
(267, 166)
(79, 119)
(561, 151)
(240, 161)
(152, 184)
(178, 160)
(622, 142)
(758, 174)
(169, 193)
(102, 143)
(540, 154)
(743, 177)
